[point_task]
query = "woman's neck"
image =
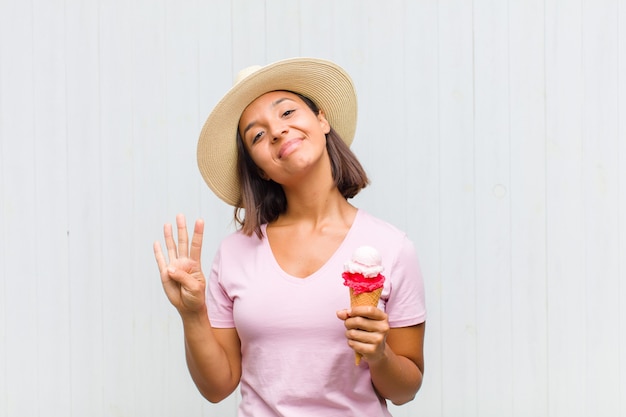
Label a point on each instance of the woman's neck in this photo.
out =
(314, 196)
(315, 203)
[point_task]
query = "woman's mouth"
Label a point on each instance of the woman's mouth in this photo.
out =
(288, 147)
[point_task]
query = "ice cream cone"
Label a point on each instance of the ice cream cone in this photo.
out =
(364, 299)
(362, 274)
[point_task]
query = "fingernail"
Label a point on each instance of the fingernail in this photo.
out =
(171, 269)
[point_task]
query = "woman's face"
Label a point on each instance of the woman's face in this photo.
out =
(283, 135)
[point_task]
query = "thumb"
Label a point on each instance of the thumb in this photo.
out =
(176, 274)
(187, 281)
(343, 314)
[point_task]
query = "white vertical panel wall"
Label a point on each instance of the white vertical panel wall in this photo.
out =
(20, 317)
(494, 132)
(527, 135)
(457, 210)
(565, 234)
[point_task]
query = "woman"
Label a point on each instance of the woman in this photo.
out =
(272, 316)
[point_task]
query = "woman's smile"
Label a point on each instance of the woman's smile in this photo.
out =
(288, 147)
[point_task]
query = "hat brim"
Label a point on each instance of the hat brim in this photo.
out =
(327, 84)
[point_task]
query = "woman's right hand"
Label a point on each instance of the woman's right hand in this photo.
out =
(213, 355)
(182, 278)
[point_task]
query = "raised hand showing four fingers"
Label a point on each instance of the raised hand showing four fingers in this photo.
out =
(181, 275)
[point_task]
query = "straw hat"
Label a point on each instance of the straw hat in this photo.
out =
(328, 85)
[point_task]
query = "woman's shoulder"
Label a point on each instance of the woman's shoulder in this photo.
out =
(394, 245)
(369, 223)
(239, 241)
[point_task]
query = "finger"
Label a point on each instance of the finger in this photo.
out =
(368, 312)
(366, 324)
(196, 240)
(172, 253)
(366, 349)
(366, 336)
(160, 258)
(183, 237)
(161, 262)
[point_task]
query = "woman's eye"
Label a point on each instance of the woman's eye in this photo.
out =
(287, 113)
(256, 137)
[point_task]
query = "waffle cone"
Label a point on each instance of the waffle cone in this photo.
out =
(364, 299)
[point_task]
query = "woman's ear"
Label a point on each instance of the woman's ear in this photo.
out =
(323, 122)
(262, 174)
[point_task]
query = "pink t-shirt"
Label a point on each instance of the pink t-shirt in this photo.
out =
(295, 357)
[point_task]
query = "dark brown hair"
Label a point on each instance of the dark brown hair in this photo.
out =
(262, 201)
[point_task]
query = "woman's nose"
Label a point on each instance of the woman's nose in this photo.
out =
(279, 129)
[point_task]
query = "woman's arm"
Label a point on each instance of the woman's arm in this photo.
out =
(397, 375)
(213, 355)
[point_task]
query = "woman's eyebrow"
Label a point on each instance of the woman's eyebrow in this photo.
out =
(280, 100)
(248, 127)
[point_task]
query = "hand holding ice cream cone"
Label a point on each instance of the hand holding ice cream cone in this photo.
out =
(362, 274)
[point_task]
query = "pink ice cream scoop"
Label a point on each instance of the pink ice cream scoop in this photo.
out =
(363, 272)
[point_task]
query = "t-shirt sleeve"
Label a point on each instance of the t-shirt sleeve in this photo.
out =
(219, 304)
(406, 305)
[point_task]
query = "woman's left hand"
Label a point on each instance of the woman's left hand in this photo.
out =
(367, 328)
